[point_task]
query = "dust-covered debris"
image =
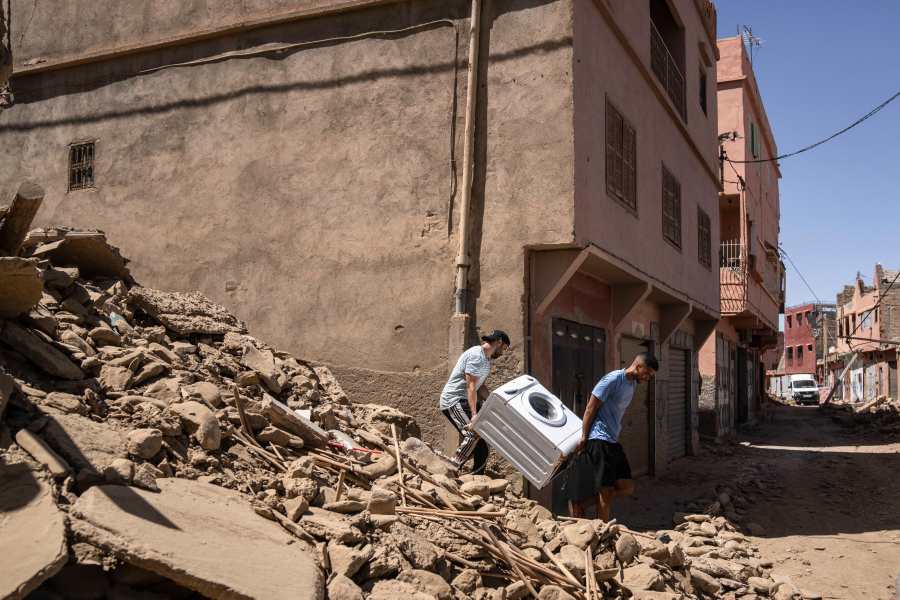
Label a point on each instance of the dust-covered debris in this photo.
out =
(167, 428)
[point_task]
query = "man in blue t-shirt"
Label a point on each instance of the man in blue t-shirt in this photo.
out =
(601, 469)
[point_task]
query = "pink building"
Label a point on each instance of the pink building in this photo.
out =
(868, 329)
(750, 271)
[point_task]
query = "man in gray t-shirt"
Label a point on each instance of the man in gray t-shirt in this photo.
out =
(462, 395)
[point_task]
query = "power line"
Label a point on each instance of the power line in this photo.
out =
(809, 287)
(829, 138)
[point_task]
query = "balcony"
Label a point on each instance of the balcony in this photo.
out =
(666, 70)
(732, 277)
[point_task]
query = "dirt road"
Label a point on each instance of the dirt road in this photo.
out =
(828, 503)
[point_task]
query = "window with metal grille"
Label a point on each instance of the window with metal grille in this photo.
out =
(621, 151)
(81, 166)
(704, 239)
(671, 208)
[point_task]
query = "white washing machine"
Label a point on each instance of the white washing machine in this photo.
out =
(530, 427)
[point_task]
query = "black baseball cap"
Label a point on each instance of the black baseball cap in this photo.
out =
(497, 334)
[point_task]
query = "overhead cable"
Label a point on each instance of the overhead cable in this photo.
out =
(820, 142)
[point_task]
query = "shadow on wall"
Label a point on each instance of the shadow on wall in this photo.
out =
(43, 86)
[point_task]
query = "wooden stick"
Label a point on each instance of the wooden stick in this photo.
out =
(340, 485)
(565, 571)
(399, 461)
(277, 453)
(293, 527)
(512, 563)
(245, 425)
(460, 560)
(462, 514)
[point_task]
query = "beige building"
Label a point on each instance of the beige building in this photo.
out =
(306, 168)
(750, 269)
(868, 334)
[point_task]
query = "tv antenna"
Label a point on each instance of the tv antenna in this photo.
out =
(746, 34)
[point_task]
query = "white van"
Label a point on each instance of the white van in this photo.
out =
(803, 389)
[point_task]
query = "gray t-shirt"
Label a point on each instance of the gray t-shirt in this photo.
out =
(475, 363)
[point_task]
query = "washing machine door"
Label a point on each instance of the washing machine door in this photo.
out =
(545, 408)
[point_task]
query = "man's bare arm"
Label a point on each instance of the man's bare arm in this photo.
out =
(590, 411)
(472, 393)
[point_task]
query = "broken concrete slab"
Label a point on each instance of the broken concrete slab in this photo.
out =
(43, 453)
(20, 286)
(39, 352)
(32, 531)
(283, 417)
(18, 217)
(185, 313)
(203, 537)
(83, 443)
(87, 250)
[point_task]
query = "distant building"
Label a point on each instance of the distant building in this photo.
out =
(806, 328)
(868, 329)
(751, 273)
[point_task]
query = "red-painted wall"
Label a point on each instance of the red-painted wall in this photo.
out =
(799, 343)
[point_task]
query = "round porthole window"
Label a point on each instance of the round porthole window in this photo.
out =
(546, 409)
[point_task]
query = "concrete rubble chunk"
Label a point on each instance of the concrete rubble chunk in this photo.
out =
(145, 443)
(202, 536)
(185, 313)
(347, 561)
(579, 534)
(87, 250)
(101, 336)
(200, 422)
(32, 531)
(327, 525)
(263, 363)
(642, 577)
(343, 588)
(283, 417)
(20, 286)
(43, 355)
(553, 592)
(427, 582)
(67, 403)
(425, 456)
(17, 218)
(83, 443)
(44, 454)
(627, 548)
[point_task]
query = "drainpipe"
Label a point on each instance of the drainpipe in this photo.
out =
(461, 294)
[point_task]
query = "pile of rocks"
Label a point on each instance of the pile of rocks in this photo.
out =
(148, 442)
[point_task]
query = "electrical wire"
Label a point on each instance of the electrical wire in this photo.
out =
(828, 139)
(790, 260)
(873, 309)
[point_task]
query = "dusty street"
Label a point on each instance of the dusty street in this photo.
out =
(829, 506)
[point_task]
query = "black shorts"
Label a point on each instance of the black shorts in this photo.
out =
(601, 465)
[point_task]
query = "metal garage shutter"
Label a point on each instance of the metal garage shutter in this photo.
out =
(635, 435)
(678, 403)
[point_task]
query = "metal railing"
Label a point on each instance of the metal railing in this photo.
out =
(731, 254)
(666, 69)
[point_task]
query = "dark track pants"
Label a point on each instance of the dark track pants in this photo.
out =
(460, 415)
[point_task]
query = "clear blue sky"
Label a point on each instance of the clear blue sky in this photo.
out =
(822, 65)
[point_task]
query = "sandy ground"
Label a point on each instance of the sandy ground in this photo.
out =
(830, 509)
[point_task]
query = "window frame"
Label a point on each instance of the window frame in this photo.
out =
(616, 155)
(754, 140)
(86, 167)
(704, 254)
(669, 177)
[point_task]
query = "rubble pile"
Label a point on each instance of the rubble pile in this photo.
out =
(167, 447)
(881, 414)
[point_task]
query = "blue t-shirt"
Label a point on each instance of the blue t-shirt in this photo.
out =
(616, 392)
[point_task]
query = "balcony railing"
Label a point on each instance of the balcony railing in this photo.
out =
(731, 254)
(666, 69)
(732, 277)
